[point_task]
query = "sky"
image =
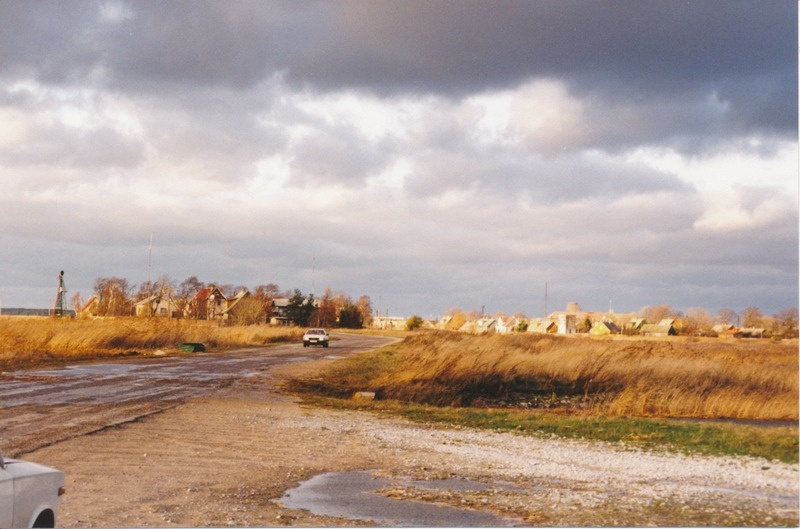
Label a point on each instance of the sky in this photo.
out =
(427, 154)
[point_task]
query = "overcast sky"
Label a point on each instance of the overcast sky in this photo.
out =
(427, 154)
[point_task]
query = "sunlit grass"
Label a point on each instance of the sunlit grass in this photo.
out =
(693, 379)
(26, 341)
(631, 391)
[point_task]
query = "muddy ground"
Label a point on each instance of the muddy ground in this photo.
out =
(228, 459)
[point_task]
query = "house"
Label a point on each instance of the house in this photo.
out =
(485, 325)
(90, 309)
(635, 325)
(726, 330)
(567, 323)
(389, 322)
(752, 332)
(481, 326)
(541, 326)
(506, 325)
(602, 328)
(208, 304)
(243, 308)
(157, 306)
(277, 312)
(658, 329)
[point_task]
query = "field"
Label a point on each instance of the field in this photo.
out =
(30, 341)
(708, 396)
(623, 389)
(709, 379)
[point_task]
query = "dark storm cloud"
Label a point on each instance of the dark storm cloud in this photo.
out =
(742, 51)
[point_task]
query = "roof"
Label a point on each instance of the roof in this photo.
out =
(207, 292)
(657, 328)
(602, 327)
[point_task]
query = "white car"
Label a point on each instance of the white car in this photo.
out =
(30, 494)
(316, 337)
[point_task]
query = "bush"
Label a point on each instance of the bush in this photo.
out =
(414, 322)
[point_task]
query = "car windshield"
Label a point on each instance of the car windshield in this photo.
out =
(315, 331)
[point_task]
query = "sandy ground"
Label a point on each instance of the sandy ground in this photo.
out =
(228, 460)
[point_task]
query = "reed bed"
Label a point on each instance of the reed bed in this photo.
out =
(630, 377)
(26, 341)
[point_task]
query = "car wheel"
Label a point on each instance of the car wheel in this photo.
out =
(325, 344)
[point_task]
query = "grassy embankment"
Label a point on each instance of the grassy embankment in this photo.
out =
(30, 341)
(613, 390)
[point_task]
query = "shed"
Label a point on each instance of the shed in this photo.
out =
(604, 327)
(542, 326)
(656, 329)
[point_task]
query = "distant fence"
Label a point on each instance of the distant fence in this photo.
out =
(32, 312)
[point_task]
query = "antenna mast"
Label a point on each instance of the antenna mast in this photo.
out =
(545, 299)
(150, 261)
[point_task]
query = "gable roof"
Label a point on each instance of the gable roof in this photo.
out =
(206, 293)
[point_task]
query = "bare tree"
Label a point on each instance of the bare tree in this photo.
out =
(728, 316)
(752, 317)
(787, 322)
(77, 303)
(658, 313)
(364, 305)
(113, 296)
(696, 320)
(326, 313)
(188, 288)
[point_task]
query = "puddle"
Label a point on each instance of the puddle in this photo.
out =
(352, 495)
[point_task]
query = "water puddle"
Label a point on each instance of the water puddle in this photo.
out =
(352, 495)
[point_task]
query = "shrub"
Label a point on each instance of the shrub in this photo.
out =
(414, 322)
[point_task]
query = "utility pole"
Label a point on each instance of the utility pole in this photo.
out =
(149, 284)
(545, 300)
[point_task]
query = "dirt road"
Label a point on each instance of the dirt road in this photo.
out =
(227, 457)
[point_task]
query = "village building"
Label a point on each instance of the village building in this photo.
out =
(603, 328)
(243, 308)
(542, 326)
(208, 304)
(506, 325)
(91, 308)
(388, 322)
(665, 327)
(157, 306)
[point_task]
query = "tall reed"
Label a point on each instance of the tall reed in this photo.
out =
(665, 378)
(36, 340)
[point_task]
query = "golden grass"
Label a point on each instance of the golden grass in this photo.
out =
(28, 341)
(712, 378)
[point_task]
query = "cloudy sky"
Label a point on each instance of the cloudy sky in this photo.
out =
(427, 154)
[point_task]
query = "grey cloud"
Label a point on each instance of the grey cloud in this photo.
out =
(67, 148)
(568, 178)
(743, 50)
(335, 157)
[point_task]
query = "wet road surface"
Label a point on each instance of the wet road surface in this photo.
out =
(41, 407)
(353, 495)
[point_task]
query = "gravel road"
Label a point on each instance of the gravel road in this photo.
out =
(228, 459)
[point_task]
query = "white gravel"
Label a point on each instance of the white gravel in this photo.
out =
(564, 480)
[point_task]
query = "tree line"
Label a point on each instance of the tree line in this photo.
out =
(115, 296)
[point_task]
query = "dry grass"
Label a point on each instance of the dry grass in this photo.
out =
(646, 378)
(26, 341)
